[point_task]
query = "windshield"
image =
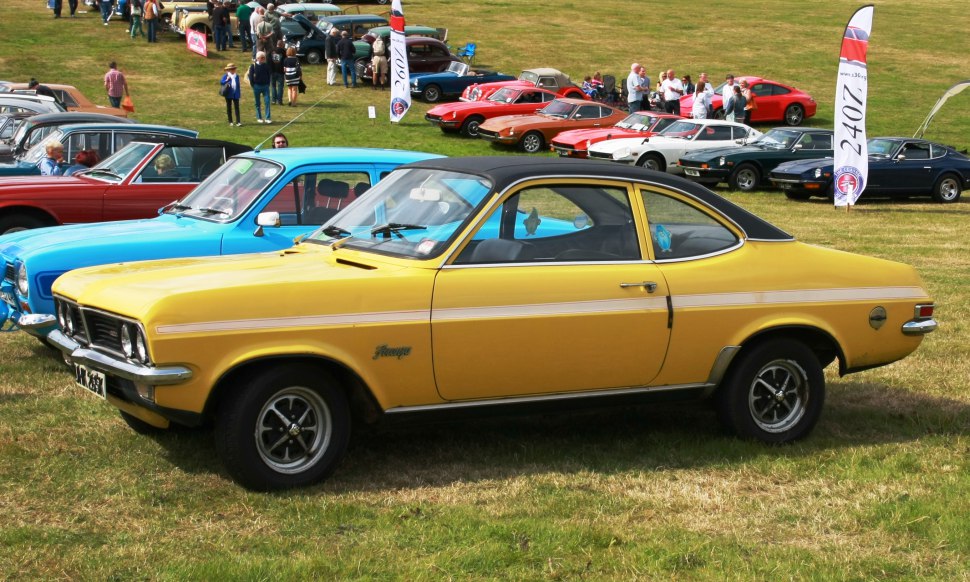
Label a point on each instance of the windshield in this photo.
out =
(18, 135)
(637, 121)
(685, 129)
(39, 151)
(504, 95)
(413, 213)
(117, 167)
(880, 147)
(461, 69)
(558, 108)
(227, 193)
(529, 76)
(777, 139)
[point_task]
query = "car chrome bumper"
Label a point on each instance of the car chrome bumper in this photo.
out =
(37, 324)
(919, 326)
(77, 354)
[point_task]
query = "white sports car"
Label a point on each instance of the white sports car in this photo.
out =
(662, 151)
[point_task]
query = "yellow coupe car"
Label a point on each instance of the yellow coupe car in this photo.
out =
(482, 284)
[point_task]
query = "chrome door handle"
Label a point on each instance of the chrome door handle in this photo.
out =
(649, 285)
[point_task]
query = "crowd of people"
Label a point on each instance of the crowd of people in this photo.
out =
(738, 99)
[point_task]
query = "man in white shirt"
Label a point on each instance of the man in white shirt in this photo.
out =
(728, 89)
(634, 89)
(673, 89)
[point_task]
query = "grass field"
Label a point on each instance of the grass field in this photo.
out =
(881, 490)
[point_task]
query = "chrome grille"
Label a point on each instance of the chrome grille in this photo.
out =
(600, 155)
(487, 133)
(103, 330)
(9, 273)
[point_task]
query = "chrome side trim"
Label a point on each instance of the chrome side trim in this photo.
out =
(920, 327)
(37, 324)
(74, 353)
(542, 398)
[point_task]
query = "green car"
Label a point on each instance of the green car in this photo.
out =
(747, 166)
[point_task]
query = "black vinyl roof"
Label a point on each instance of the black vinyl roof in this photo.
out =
(231, 148)
(66, 117)
(504, 171)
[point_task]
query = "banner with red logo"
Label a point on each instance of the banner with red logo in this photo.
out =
(851, 90)
(195, 42)
(400, 75)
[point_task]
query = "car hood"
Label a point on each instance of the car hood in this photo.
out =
(18, 168)
(799, 166)
(575, 136)
(22, 183)
(463, 107)
(706, 154)
(192, 290)
(519, 121)
(637, 143)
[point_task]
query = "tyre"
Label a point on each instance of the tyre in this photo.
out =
(470, 127)
(17, 222)
(203, 29)
(314, 57)
(138, 425)
(947, 189)
(285, 427)
(774, 393)
(653, 162)
(532, 142)
(719, 114)
(431, 94)
(745, 178)
(794, 114)
(361, 66)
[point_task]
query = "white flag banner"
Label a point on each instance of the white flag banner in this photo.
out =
(851, 89)
(400, 76)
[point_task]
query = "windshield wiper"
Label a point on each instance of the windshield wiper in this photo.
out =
(395, 228)
(212, 210)
(334, 230)
(107, 171)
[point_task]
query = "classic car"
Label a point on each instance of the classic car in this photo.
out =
(22, 102)
(312, 11)
(198, 19)
(433, 87)
(544, 78)
(898, 167)
(166, 10)
(662, 151)
(575, 143)
(37, 126)
(107, 138)
(9, 122)
(267, 210)
(747, 167)
(311, 43)
(126, 185)
(357, 25)
(532, 132)
(486, 284)
(73, 100)
(425, 55)
(466, 116)
(776, 102)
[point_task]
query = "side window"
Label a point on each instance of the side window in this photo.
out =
(548, 83)
(761, 89)
(740, 132)
(679, 230)
(715, 133)
(7, 131)
(663, 123)
(937, 151)
(315, 197)
(124, 138)
(823, 141)
(917, 151)
(589, 112)
(65, 98)
(547, 97)
(779, 90)
(557, 224)
(83, 141)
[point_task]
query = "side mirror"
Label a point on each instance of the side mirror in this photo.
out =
(901, 158)
(798, 146)
(266, 219)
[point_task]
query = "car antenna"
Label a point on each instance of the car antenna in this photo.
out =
(276, 131)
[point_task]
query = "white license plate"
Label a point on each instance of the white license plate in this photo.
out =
(690, 172)
(91, 380)
(785, 186)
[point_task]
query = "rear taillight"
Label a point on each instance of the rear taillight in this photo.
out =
(924, 311)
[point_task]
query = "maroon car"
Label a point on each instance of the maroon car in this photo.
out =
(425, 55)
(133, 183)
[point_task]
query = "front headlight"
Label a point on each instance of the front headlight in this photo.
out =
(62, 315)
(141, 348)
(127, 346)
(721, 161)
(818, 172)
(22, 282)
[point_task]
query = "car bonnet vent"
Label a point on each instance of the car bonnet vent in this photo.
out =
(355, 264)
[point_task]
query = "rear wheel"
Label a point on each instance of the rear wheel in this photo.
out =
(745, 178)
(470, 127)
(774, 393)
(794, 114)
(18, 221)
(532, 142)
(947, 189)
(653, 162)
(719, 114)
(361, 66)
(314, 57)
(431, 94)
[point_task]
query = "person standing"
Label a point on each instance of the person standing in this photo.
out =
(634, 90)
(243, 14)
(673, 89)
(254, 21)
(106, 6)
(333, 58)
(273, 18)
(276, 64)
(644, 88)
(231, 91)
(136, 12)
(346, 51)
(56, 6)
(379, 63)
(50, 165)
(264, 35)
(115, 83)
(220, 22)
(702, 100)
(293, 74)
(749, 101)
(151, 18)
(728, 88)
(734, 105)
(689, 87)
(72, 5)
(260, 74)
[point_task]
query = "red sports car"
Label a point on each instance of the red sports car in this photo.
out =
(133, 183)
(776, 102)
(575, 142)
(466, 116)
(532, 132)
(544, 78)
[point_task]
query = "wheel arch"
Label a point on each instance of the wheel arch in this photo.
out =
(33, 211)
(652, 154)
(822, 343)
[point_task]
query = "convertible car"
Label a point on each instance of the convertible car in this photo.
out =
(898, 167)
(776, 102)
(575, 143)
(544, 78)
(662, 151)
(486, 284)
(259, 201)
(746, 168)
(433, 87)
(466, 116)
(129, 184)
(531, 133)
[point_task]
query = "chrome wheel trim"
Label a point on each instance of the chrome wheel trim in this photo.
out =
(794, 115)
(778, 396)
(432, 94)
(532, 143)
(293, 430)
(650, 163)
(949, 189)
(472, 127)
(746, 179)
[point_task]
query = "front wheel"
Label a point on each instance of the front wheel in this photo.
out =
(947, 189)
(314, 57)
(431, 94)
(287, 426)
(794, 114)
(532, 142)
(774, 393)
(745, 178)
(470, 127)
(652, 162)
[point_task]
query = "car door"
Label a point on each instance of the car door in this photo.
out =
(709, 136)
(147, 189)
(809, 146)
(910, 170)
(769, 106)
(551, 294)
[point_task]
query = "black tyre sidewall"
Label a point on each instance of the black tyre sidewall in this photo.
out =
(237, 418)
(938, 196)
(542, 142)
(733, 179)
(464, 126)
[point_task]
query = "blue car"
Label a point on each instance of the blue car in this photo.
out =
(107, 138)
(433, 87)
(258, 201)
